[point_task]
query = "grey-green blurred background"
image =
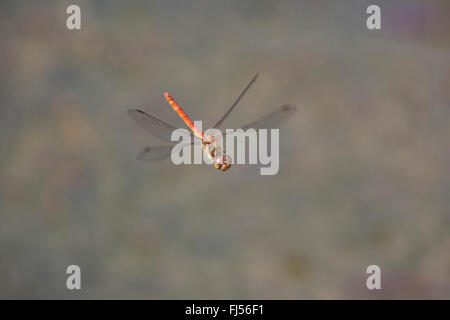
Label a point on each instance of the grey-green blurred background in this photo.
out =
(364, 175)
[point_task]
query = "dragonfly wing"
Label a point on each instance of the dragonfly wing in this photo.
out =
(237, 101)
(154, 154)
(273, 119)
(152, 124)
(158, 153)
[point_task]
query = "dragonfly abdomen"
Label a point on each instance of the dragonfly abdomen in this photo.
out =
(183, 115)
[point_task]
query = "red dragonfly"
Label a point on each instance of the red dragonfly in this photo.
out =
(210, 145)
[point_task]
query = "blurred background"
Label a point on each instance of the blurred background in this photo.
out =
(364, 163)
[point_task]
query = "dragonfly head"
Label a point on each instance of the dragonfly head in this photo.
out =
(223, 162)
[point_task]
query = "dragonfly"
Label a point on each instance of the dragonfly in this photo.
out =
(210, 145)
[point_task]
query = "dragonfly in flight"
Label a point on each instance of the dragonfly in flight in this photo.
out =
(211, 146)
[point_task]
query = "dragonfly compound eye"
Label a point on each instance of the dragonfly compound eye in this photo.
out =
(225, 167)
(223, 162)
(226, 162)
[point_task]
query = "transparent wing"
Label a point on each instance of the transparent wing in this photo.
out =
(156, 127)
(158, 153)
(237, 101)
(273, 119)
(154, 154)
(270, 120)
